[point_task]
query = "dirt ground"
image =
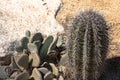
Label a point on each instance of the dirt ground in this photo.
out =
(110, 9)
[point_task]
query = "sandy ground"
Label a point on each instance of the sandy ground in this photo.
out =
(110, 9)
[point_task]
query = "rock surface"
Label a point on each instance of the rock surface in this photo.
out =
(39, 15)
(17, 16)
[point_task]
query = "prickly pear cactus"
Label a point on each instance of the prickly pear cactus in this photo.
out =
(37, 58)
(87, 45)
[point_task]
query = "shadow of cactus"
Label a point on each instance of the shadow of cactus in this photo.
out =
(111, 69)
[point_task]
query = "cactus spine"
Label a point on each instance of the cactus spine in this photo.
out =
(87, 45)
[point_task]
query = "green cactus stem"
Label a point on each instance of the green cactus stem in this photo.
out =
(32, 47)
(28, 34)
(45, 47)
(87, 45)
(36, 37)
(38, 44)
(22, 61)
(24, 42)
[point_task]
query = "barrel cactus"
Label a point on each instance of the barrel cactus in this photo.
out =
(87, 45)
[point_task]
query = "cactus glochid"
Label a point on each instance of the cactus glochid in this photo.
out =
(87, 45)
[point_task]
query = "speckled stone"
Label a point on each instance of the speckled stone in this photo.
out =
(17, 16)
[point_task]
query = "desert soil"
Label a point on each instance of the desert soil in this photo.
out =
(110, 9)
